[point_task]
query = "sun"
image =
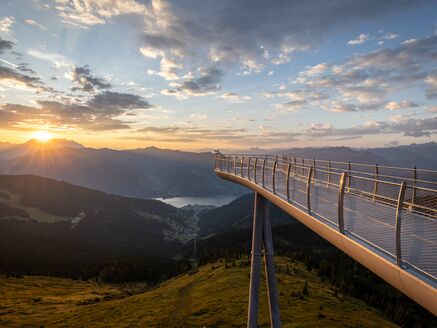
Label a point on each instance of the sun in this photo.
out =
(42, 136)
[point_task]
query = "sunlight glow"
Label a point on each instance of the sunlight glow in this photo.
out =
(42, 136)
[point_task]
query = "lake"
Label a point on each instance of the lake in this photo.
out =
(219, 200)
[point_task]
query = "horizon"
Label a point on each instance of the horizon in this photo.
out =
(211, 150)
(135, 74)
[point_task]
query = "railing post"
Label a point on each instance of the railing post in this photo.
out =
(413, 195)
(241, 166)
(263, 172)
(399, 223)
(314, 172)
(303, 167)
(248, 168)
(295, 166)
(340, 208)
(215, 160)
(309, 190)
(288, 181)
(375, 187)
(329, 173)
(273, 175)
(235, 165)
(254, 169)
(349, 177)
(221, 162)
(227, 165)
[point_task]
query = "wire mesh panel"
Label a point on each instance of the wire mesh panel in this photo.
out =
(419, 242)
(324, 203)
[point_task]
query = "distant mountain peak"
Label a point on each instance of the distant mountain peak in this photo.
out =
(54, 143)
(34, 145)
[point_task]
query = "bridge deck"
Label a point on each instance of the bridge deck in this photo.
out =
(369, 207)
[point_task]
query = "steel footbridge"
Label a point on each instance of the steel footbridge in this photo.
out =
(384, 217)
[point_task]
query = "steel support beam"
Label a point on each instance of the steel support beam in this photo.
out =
(262, 239)
(272, 290)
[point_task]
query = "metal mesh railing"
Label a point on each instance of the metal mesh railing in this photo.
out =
(391, 210)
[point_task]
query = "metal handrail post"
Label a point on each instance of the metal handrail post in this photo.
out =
(314, 173)
(227, 165)
(349, 177)
(309, 190)
(248, 168)
(399, 223)
(303, 167)
(264, 168)
(254, 169)
(295, 166)
(235, 165)
(273, 176)
(413, 196)
(340, 206)
(375, 187)
(288, 182)
(241, 166)
(329, 174)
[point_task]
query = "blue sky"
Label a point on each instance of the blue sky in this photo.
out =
(227, 74)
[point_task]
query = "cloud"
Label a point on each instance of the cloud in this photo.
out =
(431, 81)
(35, 24)
(199, 116)
(392, 105)
(360, 40)
(233, 97)
(193, 133)
(86, 13)
(248, 32)
(169, 69)
(317, 69)
(10, 78)
(208, 82)
(432, 109)
(87, 82)
(292, 106)
(101, 112)
(57, 59)
(5, 45)
(363, 82)
(116, 103)
(399, 125)
(6, 23)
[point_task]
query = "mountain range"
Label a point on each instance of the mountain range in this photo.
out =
(143, 173)
(152, 172)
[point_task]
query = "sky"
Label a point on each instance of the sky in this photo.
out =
(229, 74)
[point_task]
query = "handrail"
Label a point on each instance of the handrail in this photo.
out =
(337, 162)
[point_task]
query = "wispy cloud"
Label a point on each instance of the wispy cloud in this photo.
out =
(33, 23)
(359, 40)
(6, 24)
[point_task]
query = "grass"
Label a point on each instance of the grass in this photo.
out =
(35, 213)
(215, 296)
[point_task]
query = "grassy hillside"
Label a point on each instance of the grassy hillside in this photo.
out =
(215, 296)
